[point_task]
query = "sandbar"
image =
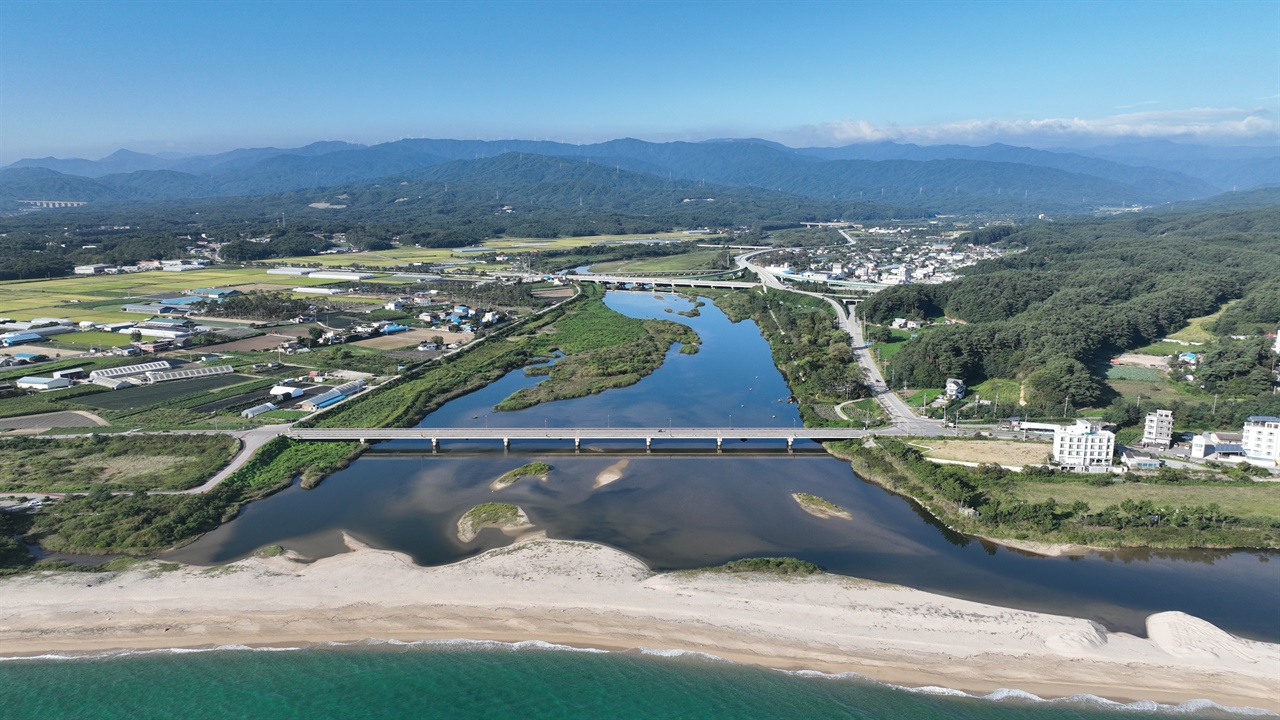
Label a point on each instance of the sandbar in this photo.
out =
(589, 595)
(611, 474)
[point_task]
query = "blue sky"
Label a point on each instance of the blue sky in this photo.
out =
(85, 78)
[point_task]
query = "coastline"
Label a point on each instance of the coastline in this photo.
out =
(583, 595)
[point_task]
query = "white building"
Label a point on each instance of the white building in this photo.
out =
(1261, 441)
(1158, 431)
(42, 383)
(91, 269)
(1083, 447)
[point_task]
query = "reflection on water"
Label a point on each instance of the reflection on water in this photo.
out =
(685, 510)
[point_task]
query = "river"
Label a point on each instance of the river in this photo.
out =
(684, 507)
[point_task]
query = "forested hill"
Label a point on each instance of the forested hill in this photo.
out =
(951, 179)
(1082, 292)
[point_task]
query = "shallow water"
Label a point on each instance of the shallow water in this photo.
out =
(468, 680)
(676, 510)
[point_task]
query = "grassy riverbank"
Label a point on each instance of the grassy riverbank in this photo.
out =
(993, 502)
(812, 353)
(116, 462)
(138, 523)
(603, 349)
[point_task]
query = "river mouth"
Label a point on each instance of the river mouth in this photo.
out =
(686, 506)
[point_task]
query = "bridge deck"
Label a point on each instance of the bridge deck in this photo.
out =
(647, 434)
(673, 282)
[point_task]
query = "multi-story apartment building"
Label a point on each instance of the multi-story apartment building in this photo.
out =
(1261, 440)
(1083, 447)
(1159, 429)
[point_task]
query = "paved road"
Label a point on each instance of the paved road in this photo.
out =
(901, 415)
(250, 441)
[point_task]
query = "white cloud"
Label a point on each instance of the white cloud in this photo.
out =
(1201, 125)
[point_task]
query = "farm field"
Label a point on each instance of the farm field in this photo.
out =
(401, 256)
(1000, 452)
(147, 395)
(255, 344)
(1149, 391)
(413, 337)
(693, 261)
(87, 340)
(1165, 349)
(98, 298)
(1242, 501)
(1140, 374)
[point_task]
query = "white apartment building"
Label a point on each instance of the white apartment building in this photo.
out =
(1158, 431)
(1261, 441)
(1083, 447)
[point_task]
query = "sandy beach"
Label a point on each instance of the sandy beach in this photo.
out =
(592, 596)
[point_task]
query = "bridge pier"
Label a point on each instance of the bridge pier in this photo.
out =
(506, 443)
(719, 443)
(435, 444)
(790, 441)
(648, 444)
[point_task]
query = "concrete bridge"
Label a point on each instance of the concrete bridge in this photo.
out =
(577, 435)
(666, 281)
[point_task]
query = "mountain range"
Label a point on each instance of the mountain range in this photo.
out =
(942, 178)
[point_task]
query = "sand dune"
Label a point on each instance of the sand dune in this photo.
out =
(589, 595)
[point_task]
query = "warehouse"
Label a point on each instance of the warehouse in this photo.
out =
(339, 275)
(336, 395)
(42, 383)
(257, 410)
(319, 290)
(187, 374)
(127, 370)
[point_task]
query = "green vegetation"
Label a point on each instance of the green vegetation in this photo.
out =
(886, 342)
(768, 565)
(1081, 293)
(690, 261)
(820, 507)
(1255, 314)
(491, 514)
(603, 349)
(814, 356)
(404, 402)
(280, 460)
(526, 470)
(141, 524)
(1164, 349)
(118, 462)
(499, 515)
(818, 502)
(269, 551)
(1140, 374)
(136, 524)
(995, 502)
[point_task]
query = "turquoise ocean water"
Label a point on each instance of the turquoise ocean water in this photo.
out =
(489, 680)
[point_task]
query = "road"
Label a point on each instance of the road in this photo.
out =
(900, 414)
